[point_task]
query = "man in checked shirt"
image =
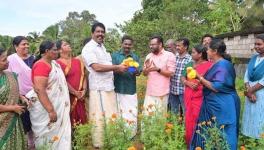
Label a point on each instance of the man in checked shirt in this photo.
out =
(176, 101)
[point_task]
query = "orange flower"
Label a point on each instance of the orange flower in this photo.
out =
(168, 131)
(242, 147)
(55, 138)
(198, 148)
(169, 125)
(114, 116)
(132, 148)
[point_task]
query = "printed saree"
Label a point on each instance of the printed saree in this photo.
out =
(11, 128)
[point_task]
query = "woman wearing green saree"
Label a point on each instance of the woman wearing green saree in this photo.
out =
(11, 129)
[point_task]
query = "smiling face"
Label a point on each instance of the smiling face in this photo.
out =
(155, 46)
(3, 61)
(98, 35)
(127, 45)
(22, 48)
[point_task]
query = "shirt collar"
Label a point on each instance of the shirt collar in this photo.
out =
(122, 52)
(97, 44)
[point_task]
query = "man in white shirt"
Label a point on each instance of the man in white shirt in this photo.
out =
(102, 101)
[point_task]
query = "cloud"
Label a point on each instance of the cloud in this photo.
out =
(19, 17)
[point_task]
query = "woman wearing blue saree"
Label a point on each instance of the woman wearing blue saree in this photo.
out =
(221, 104)
(253, 117)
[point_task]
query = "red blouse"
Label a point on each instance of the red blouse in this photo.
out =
(40, 68)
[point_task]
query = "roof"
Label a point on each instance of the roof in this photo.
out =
(256, 30)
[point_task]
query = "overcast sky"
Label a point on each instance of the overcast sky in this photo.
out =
(19, 17)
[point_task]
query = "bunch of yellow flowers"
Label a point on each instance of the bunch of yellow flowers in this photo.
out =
(130, 62)
(191, 73)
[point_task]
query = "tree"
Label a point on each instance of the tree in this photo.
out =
(52, 32)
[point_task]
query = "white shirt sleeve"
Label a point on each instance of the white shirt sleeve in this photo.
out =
(89, 56)
(246, 77)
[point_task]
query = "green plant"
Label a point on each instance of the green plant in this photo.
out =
(161, 131)
(82, 137)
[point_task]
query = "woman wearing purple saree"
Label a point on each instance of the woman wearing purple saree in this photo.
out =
(221, 104)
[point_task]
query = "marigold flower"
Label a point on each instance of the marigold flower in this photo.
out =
(169, 125)
(209, 123)
(204, 123)
(114, 116)
(55, 138)
(222, 126)
(198, 148)
(242, 147)
(168, 131)
(132, 148)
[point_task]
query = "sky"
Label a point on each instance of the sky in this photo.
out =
(19, 17)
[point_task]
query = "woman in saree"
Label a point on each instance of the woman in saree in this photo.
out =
(253, 117)
(11, 128)
(21, 63)
(221, 104)
(74, 72)
(193, 93)
(50, 109)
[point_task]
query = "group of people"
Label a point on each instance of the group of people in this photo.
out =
(45, 97)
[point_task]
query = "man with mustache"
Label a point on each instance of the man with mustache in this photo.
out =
(125, 83)
(102, 102)
(159, 67)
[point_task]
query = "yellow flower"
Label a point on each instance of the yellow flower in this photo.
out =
(203, 123)
(55, 138)
(222, 126)
(198, 148)
(191, 73)
(132, 148)
(169, 125)
(168, 131)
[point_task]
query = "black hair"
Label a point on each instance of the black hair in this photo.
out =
(44, 46)
(201, 49)
(86, 40)
(207, 35)
(219, 46)
(2, 51)
(126, 37)
(158, 37)
(58, 44)
(97, 24)
(185, 42)
(17, 40)
(260, 36)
